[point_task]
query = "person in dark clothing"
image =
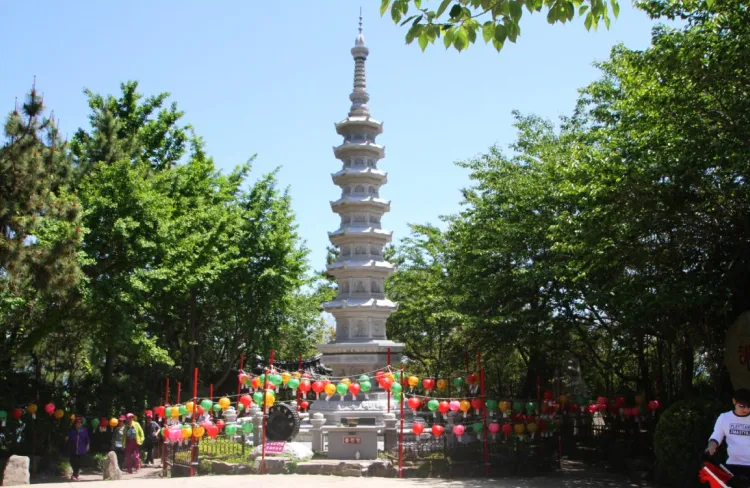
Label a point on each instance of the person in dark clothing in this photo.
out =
(152, 438)
(78, 442)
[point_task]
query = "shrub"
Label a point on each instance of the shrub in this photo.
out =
(98, 460)
(681, 434)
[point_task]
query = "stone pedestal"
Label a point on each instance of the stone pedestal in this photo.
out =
(359, 442)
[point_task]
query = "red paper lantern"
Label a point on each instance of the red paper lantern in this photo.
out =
(602, 407)
(414, 403)
(200, 410)
(601, 400)
(507, 429)
(428, 384)
(573, 407)
(444, 407)
(386, 383)
(50, 408)
(593, 408)
(103, 423)
(472, 379)
(477, 404)
(246, 401)
(255, 383)
(653, 405)
(627, 412)
(318, 387)
(220, 424)
(242, 378)
(354, 389)
(212, 431)
(159, 411)
(437, 430)
(17, 413)
(548, 395)
(306, 375)
(304, 386)
(417, 428)
(304, 405)
(620, 402)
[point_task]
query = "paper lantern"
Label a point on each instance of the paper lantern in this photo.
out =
(285, 377)
(442, 384)
(531, 407)
(454, 405)
(187, 432)
(472, 379)
(428, 384)
(465, 406)
(49, 408)
(224, 403)
(477, 404)
(386, 383)
(270, 398)
(531, 427)
(59, 414)
(216, 408)
(255, 383)
(413, 381)
(364, 377)
(437, 430)
(494, 428)
(414, 404)
(519, 429)
(262, 379)
(103, 423)
(176, 411)
(477, 427)
(593, 408)
(189, 407)
(354, 390)
(275, 379)
(258, 397)
(432, 405)
(212, 432)
(346, 381)
(505, 407)
(200, 410)
(246, 401)
(443, 407)
(653, 405)
(298, 375)
(242, 378)
(365, 386)
(318, 387)
(417, 428)
(563, 399)
(517, 406)
(390, 376)
(491, 406)
(341, 389)
(548, 395)
(304, 405)
(330, 390)
(304, 386)
(31, 409)
(601, 400)
(207, 404)
(294, 383)
(458, 383)
(160, 411)
(247, 427)
(3, 417)
(230, 430)
(458, 430)
(507, 429)
(396, 388)
(219, 424)
(198, 431)
(113, 422)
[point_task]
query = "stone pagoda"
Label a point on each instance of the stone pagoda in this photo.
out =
(361, 307)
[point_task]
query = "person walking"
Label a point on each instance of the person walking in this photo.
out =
(133, 440)
(118, 442)
(78, 443)
(152, 438)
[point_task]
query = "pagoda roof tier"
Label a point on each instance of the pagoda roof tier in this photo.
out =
(359, 148)
(361, 303)
(351, 233)
(351, 203)
(360, 175)
(358, 121)
(358, 268)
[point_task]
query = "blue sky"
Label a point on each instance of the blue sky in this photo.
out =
(272, 78)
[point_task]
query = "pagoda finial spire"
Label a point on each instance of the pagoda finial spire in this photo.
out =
(359, 96)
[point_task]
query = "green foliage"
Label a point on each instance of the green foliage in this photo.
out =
(682, 432)
(497, 20)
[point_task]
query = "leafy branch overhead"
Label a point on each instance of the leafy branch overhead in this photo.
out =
(460, 22)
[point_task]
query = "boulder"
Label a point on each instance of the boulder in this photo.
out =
(16, 471)
(347, 469)
(220, 467)
(314, 468)
(293, 450)
(111, 468)
(273, 465)
(381, 469)
(242, 469)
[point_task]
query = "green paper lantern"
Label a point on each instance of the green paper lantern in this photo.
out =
(163, 431)
(478, 427)
(517, 406)
(168, 412)
(248, 427)
(216, 407)
(258, 397)
(396, 388)
(530, 407)
(230, 430)
(341, 389)
(433, 405)
(458, 382)
(275, 379)
(396, 396)
(262, 379)
(240, 407)
(293, 383)
(397, 375)
(94, 423)
(3, 415)
(206, 404)
(183, 410)
(363, 378)
(365, 386)
(491, 405)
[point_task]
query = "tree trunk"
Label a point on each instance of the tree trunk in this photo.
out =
(687, 366)
(109, 365)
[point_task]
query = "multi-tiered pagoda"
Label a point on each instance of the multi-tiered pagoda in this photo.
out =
(361, 307)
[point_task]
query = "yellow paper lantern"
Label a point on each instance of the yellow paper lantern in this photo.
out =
(390, 376)
(187, 432)
(285, 377)
(465, 406)
(531, 427)
(32, 408)
(505, 407)
(297, 375)
(198, 432)
(113, 422)
(190, 406)
(224, 403)
(72, 417)
(413, 381)
(59, 414)
(442, 384)
(175, 411)
(563, 399)
(346, 381)
(330, 389)
(270, 400)
(519, 428)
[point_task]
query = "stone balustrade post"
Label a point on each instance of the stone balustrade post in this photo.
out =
(317, 421)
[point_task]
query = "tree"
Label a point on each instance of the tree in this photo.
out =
(497, 20)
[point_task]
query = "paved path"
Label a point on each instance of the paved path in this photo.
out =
(579, 480)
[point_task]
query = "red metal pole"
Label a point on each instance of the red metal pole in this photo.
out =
(484, 430)
(265, 416)
(389, 370)
(195, 411)
(179, 390)
(211, 397)
(163, 443)
(299, 392)
(401, 435)
(239, 384)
